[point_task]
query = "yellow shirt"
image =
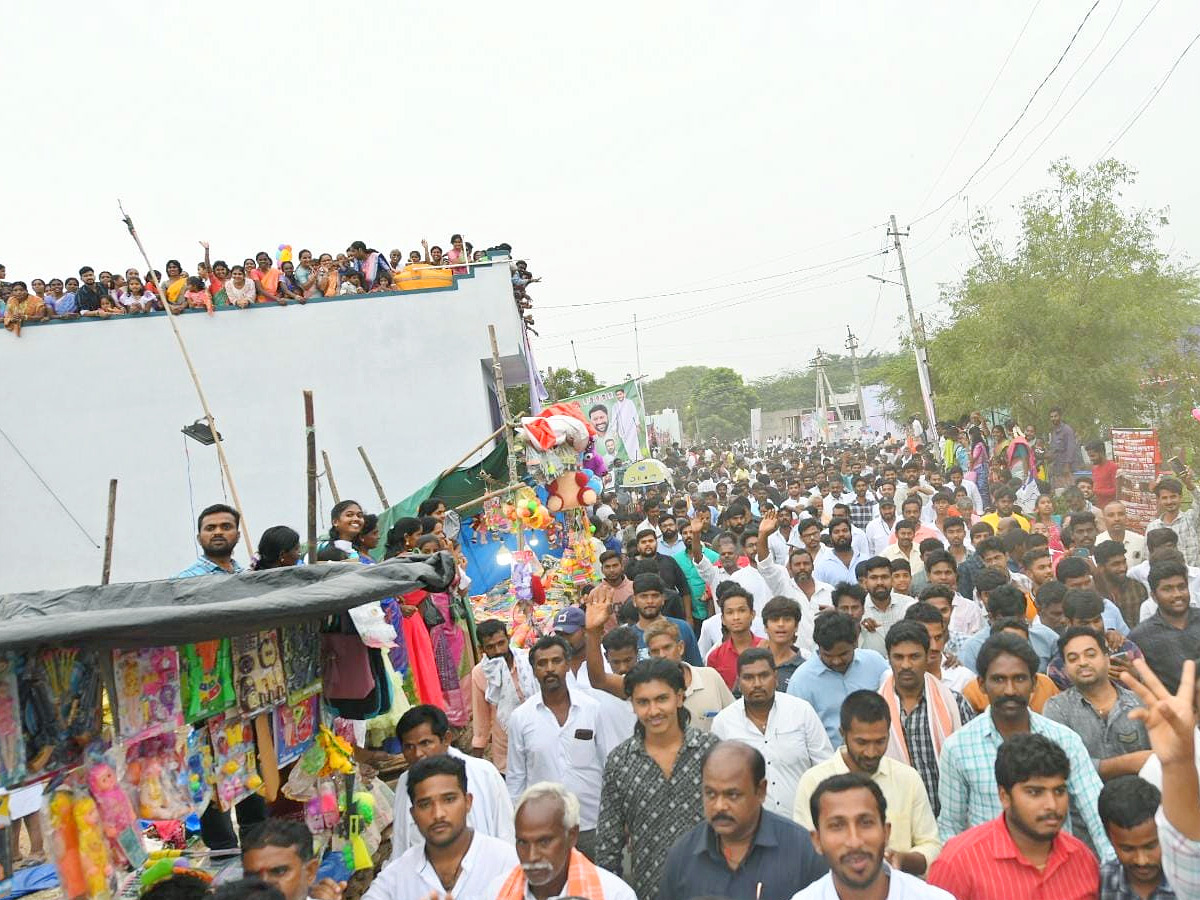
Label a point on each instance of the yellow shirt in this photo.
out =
(914, 829)
(993, 519)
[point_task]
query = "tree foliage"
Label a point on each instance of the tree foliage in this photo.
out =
(560, 383)
(1080, 314)
(713, 402)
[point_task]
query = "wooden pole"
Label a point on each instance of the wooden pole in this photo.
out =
(502, 400)
(208, 416)
(499, 492)
(329, 477)
(495, 434)
(310, 439)
(108, 531)
(374, 478)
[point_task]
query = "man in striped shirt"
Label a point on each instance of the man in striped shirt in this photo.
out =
(1024, 852)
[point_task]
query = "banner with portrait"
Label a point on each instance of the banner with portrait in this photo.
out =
(619, 417)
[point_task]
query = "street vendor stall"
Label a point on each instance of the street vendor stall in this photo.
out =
(131, 704)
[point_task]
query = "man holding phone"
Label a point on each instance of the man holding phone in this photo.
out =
(1186, 525)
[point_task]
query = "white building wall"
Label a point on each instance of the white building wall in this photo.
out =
(85, 401)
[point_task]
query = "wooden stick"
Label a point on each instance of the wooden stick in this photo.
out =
(488, 496)
(108, 531)
(208, 416)
(502, 401)
(374, 478)
(329, 477)
(310, 438)
(495, 434)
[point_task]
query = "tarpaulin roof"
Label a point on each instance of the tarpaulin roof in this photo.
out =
(161, 613)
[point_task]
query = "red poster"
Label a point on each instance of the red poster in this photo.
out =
(1136, 453)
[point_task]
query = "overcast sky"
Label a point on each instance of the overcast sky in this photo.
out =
(625, 149)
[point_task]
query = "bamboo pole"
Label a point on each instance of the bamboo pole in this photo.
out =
(329, 477)
(502, 401)
(208, 416)
(108, 531)
(374, 478)
(488, 496)
(495, 434)
(310, 439)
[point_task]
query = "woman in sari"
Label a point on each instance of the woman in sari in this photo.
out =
(328, 280)
(978, 471)
(174, 286)
(306, 275)
(22, 307)
(266, 277)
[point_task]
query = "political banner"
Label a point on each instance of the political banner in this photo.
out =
(619, 417)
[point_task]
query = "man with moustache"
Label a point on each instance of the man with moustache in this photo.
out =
(557, 735)
(741, 849)
(547, 825)
(1023, 852)
(967, 784)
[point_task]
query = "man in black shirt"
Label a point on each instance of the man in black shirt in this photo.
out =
(1172, 634)
(90, 293)
(648, 559)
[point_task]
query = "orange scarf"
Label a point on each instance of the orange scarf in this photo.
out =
(940, 706)
(583, 880)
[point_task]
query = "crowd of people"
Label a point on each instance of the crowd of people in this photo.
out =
(815, 671)
(259, 279)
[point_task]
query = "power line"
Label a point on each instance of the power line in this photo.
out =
(49, 489)
(1054, 105)
(1146, 104)
(1071, 108)
(982, 104)
(1019, 117)
(715, 287)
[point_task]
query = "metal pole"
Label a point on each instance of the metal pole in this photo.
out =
(329, 477)
(917, 338)
(108, 531)
(374, 478)
(310, 438)
(852, 346)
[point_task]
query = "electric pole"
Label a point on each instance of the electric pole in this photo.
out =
(918, 338)
(852, 346)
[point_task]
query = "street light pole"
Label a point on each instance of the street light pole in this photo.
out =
(918, 338)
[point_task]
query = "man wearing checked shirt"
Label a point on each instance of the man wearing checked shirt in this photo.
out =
(967, 790)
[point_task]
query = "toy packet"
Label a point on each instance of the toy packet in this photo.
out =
(147, 686)
(205, 679)
(259, 677)
(235, 764)
(12, 744)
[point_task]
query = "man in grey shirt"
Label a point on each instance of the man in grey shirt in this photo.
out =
(1096, 708)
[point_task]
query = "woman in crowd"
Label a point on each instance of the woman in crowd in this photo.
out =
(278, 548)
(978, 471)
(175, 285)
(1043, 513)
(457, 255)
(239, 289)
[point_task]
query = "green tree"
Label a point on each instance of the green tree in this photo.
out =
(722, 404)
(560, 383)
(1079, 314)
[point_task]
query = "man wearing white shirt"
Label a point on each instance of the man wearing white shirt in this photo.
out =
(883, 607)
(778, 543)
(879, 529)
(452, 858)
(956, 481)
(1158, 540)
(786, 730)
(556, 735)
(1114, 523)
(837, 563)
(786, 582)
(547, 826)
(424, 732)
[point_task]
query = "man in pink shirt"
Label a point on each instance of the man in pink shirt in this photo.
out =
(500, 682)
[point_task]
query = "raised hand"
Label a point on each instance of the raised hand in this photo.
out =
(1170, 719)
(770, 521)
(598, 607)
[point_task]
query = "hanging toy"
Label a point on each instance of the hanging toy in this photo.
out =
(65, 844)
(93, 854)
(116, 812)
